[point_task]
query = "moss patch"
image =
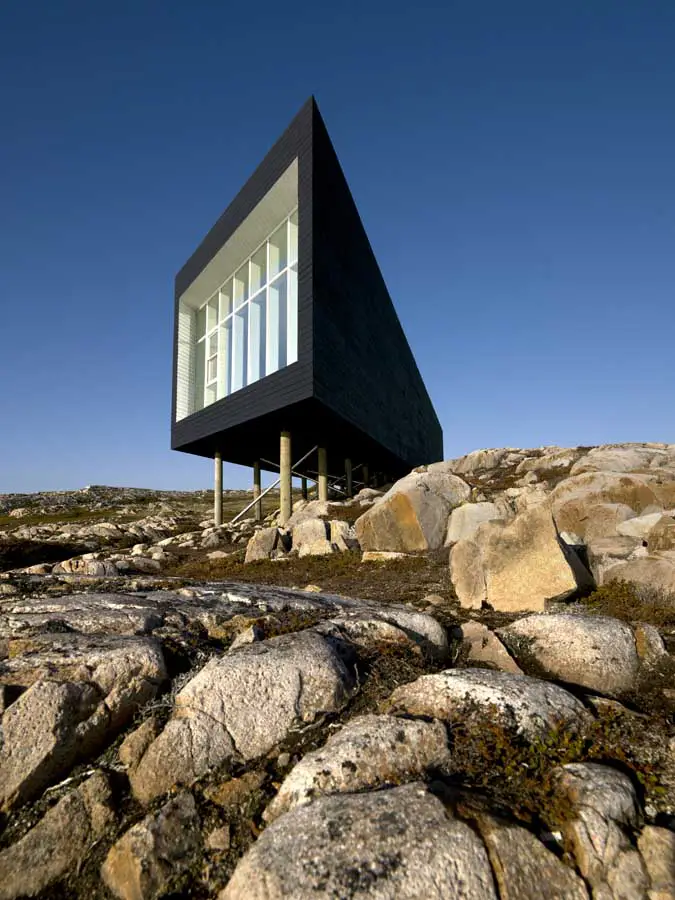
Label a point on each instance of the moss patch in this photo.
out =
(406, 580)
(633, 603)
(514, 774)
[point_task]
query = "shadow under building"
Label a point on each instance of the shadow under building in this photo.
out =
(288, 353)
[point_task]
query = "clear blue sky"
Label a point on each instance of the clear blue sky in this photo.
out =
(513, 163)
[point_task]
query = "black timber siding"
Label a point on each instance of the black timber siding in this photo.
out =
(203, 432)
(355, 387)
(364, 369)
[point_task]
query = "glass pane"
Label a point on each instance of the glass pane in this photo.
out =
(212, 313)
(225, 356)
(276, 335)
(201, 322)
(213, 343)
(241, 286)
(259, 269)
(210, 395)
(212, 369)
(225, 300)
(292, 355)
(278, 254)
(200, 364)
(293, 238)
(257, 338)
(240, 349)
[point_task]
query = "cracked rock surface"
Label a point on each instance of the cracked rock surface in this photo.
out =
(399, 842)
(241, 706)
(528, 705)
(175, 722)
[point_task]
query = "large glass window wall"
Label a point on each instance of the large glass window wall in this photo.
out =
(248, 329)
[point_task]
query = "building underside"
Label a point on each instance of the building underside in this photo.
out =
(287, 348)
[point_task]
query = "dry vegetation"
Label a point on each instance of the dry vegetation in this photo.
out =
(406, 580)
(633, 603)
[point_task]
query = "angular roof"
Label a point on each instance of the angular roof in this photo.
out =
(355, 387)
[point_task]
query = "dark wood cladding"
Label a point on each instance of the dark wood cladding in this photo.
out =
(355, 387)
(364, 369)
(205, 431)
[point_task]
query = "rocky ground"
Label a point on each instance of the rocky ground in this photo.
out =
(460, 687)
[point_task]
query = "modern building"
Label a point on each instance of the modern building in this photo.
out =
(287, 346)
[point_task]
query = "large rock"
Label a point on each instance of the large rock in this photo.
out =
(662, 535)
(394, 623)
(639, 526)
(639, 492)
(241, 705)
(527, 705)
(595, 652)
(649, 571)
(53, 724)
(261, 544)
(312, 538)
(482, 647)
(592, 521)
(398, 843)
(524, 868)
(657, 847)
(343, 536)
(59, 842)
(467, 569)
(464, 520)
(126, 670)
(413, 515)
(604, 810)
(516, 567)
(143, 861)
(44, 732)
(79, 566)
(478, 461)
(552, 461)
(621, 458)
(604, 553)
(370, 751)
(88, 613)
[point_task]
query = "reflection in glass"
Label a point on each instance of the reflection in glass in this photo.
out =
(249, 328)
(259, 269)
(225, 301)
(276, 346)
(199, 375)
(241, 286)
(212, 313)
(293, 238)
(292, 355)
(225, 356)
(201, 322)
(257, 338)
(240, 349)
(278, 253)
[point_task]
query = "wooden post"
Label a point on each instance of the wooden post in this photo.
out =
(366, 479)
(304, 488)
(348, 478)
(286, 478)
(218, 489)
(257, 489)
(323, 474)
